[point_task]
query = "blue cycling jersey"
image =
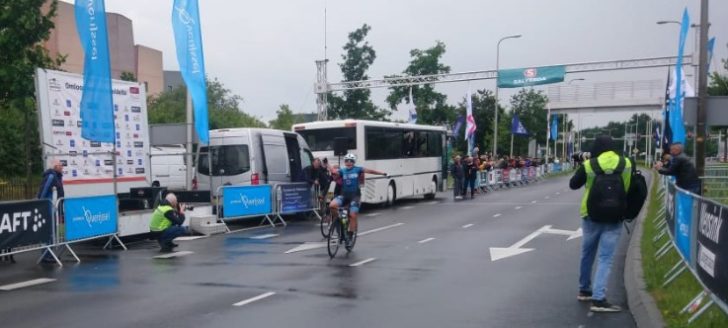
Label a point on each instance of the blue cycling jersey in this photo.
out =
(350, 178)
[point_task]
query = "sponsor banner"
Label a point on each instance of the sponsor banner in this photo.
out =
(244, 201)
(87, 217)
(683, 223)
(60, 121)
(670, 208)
(26, 223)
(712, 252)
(521, 77)
(506, 174)
(295, 197)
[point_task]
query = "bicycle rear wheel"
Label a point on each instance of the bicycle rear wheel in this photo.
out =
(334, 238)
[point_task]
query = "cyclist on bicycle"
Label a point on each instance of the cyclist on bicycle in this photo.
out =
(351, 176)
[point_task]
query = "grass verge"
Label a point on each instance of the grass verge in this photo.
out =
(671, 299)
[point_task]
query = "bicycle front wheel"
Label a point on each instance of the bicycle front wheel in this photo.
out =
(325, 222)
(334, 238)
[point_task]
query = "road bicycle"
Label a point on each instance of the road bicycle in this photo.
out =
(338, 233)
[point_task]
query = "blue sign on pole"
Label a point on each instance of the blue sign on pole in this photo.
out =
(242, 201)
(683, 221)
(88, 217)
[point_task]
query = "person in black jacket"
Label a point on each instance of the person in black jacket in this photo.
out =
(682, 169)
(457, 172)
(316, 175)
(471, 173)
(52, 178)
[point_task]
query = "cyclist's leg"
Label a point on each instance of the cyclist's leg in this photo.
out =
(353, 214)
(337, 202)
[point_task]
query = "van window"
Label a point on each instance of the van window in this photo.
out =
(306, 158)
(233, 159)
(323, 139)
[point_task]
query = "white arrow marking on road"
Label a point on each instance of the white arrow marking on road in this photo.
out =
(426, 240)
(254, 299)
(266, 236)
(24, 284)
(360, 263)
(175, 254)
(497, 253)
(373, 214)
(467, 226)
(497, 215)
(306, 246)
(185, 238)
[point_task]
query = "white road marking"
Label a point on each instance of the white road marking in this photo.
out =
(266, 236)
(518, 207)
(373, 214)
(426, 240)
(497, 215)
(27, 283)
(547, 197)
(175, 254)
(434, 202)
(186, 238)
(360, 263)
(407, 207)
(534, 201)
(558, 193)
(380, 229)
(468, 225)
(254, 299)
(305, 247)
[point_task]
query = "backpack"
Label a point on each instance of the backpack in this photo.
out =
(607, 201)
(636, 195)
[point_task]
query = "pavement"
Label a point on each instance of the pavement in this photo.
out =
(418, 264)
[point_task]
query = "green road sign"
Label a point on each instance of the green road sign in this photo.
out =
(522, 77)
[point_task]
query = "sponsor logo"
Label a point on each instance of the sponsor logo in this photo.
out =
(530, 73)
(119, 162)
(58, 123)
(64, 162)
(136, 109)
(22, 221)
(92, 218)
(139, 153)
(140, 162)
(248, 202)
(118, 144)
(69, 133)
(108, 162)
(136, 118)
(85, 171)
(134, 90)
(59, 142)
(129, 162)
(139, 170)
(57, 113)
(73, 153)
(69, 104)
(72, 143)
(70, 123)
(126, 117)
(95, 144)
(73, 162)
(710, 224)
(128, 153)
(706, 260)
(73, 86)
(56, 102)
(138, 144)
(138, 127)
(98, 163)
(121, 171)
(118, 135)
(116, 108)
(74, 173)
(85, 154)
(66, 113)
(79, 124)
(59, 133)
(136, 136)
(53, 84)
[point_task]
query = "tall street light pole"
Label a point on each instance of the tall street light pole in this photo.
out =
(497, 68)
(702, 90)
(578, 118)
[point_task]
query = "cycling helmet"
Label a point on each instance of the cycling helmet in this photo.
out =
(350, 157)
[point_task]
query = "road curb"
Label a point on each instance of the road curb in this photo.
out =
(641, 304)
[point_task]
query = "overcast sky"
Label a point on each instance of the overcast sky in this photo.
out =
(264, 51)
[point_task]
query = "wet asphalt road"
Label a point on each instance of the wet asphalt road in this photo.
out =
(431, 267)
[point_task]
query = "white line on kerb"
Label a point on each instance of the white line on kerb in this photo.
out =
(254, 299)
(467, 225)
(426, 240)
(360, 263)
(497, 215)
(27, 283)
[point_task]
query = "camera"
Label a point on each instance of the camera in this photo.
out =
(581, 157)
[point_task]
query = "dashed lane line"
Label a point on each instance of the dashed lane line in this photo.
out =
(496, 215)
(360, 263)
(426, 240)
(28, 283)
(254, 299)
(266, 236)
(518, 207)
(468, 225)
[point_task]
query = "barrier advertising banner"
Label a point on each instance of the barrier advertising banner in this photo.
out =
(84, 161)
(670, 208)
(88, 217)
(244, 201)
(683, 222)
(26, 223)
(295, 198)
(712, 255)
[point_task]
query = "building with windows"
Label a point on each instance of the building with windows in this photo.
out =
(126, 56)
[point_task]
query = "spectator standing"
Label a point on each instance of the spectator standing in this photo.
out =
(457, 172)
(682, 169)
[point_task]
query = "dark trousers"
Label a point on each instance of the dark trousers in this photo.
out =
(470, 182)
(164, 238)
(458, 188)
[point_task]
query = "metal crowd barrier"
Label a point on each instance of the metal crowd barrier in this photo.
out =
(697, 231)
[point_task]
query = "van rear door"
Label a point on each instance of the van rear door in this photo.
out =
(276, 157)
(294, 156)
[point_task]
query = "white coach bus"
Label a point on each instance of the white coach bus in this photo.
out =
(412, 155)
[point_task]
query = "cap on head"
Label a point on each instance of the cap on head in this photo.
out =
(171, 199)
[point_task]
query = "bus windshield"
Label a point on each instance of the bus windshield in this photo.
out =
(323, 139)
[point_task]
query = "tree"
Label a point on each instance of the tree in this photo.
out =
(128, 76)
(530, 105)
(358, 57)
(432, 107)
(284, 120)
(223, 107)
(24, 26)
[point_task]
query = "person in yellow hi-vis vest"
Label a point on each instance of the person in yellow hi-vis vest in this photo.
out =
(607, 177)
(167, 222)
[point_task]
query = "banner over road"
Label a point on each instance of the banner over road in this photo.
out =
(523, 77)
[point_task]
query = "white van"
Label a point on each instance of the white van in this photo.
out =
(168, 167)
(245, 156)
